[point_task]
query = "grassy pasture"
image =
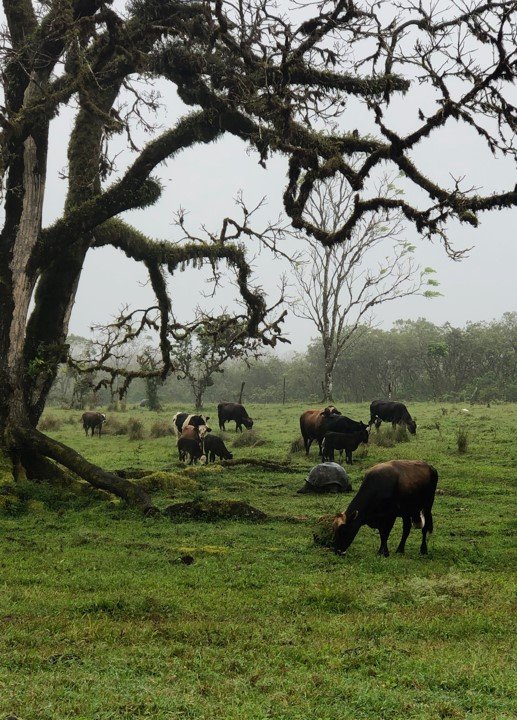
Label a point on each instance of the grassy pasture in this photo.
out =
(100, 619)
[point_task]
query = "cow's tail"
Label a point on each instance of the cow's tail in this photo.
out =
(428, 515)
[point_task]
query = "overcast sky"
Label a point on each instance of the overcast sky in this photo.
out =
(205, 181)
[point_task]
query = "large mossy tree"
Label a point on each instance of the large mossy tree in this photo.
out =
(279, 83)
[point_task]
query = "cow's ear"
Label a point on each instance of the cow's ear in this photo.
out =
(340, 519)
(353, 515)
(207, 418)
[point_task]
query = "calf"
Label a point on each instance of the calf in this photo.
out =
(398, 488)
(342, 441)
(190, 443)
(93, 420)
(215, 446)
(391, 411)
(233, 411)
(311, 422)
(182, 420)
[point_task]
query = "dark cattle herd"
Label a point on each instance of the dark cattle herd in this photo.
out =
(397, 488)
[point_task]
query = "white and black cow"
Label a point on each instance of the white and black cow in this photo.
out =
(182, 420)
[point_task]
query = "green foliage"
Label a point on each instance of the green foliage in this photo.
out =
(249, 438)
(160, 428)
(462, 440)
(135, 429)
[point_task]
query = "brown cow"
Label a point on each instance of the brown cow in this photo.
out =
(311, 422)
(190, 443)
(398, 488)
(92, 421)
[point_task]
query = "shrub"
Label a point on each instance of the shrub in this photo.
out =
(401, 434)
(49, 422)
(114, 427)
(166, 481)
(297, 445)
(250, 438)
(135, 429)
(462, 440)
(322, 531)
(160, 428)
(383, 438)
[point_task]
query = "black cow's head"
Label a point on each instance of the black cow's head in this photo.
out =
(411, 426)
(247, 422)
(345, 527)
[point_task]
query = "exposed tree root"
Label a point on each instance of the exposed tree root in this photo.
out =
(44, 448)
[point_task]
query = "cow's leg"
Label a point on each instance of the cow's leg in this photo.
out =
(428, 528)
(378, 422)
(406, 529)
(349, 457)
(384, 532)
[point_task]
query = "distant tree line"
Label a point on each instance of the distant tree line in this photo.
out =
(416, 359)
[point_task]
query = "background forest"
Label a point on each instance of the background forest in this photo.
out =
(420, 360)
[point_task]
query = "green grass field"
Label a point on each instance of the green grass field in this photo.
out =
(99, 618)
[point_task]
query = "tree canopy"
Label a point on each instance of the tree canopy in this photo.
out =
(278, 79)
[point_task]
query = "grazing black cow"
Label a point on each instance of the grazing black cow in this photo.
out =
(233, 411)
(215, 446)
(391, 411)
(398, 488)
(311, 422)
(342, 441)
(190, 443)
(92, 421)
(182, 420)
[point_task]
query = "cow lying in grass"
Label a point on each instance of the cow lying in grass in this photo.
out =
(398, 488)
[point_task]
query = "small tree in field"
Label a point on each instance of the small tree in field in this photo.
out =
(148, 362)
(341, 285)
(203, 354)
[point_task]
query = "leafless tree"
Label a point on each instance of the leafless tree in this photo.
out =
(340, 285)
(245, 69)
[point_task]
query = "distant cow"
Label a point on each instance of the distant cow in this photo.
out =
(190, 443)
(390, 411)
(93, 421)
(398, 488)
(233, 411)
(342, 441)
(182, 420)
(311, 422)
(215, 446)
